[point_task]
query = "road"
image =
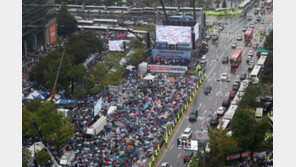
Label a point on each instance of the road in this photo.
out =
(220, 90)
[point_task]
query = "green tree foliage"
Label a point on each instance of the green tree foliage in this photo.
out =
(224, 5)
(135, 43)
(56, 130)
(248, 100)
(221, 145)
(148, 2)
(267, 76)
(42, 157)
(137, 57)
(26, 157)
(268, 44)
(67, 24)
(259, 132)
(217, 2)
(204, 3)
(242, 127)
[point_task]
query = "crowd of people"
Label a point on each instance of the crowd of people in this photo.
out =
(262, 159)
(134, 131)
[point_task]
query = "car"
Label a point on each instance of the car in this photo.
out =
(233, 45)
(258, 18)
(220, 110)
(266, 99)
(232, 94)
(249, 58)
(187, 133)
(193, 115)
(224, 77)
(203, 59)
(187, 157)
(249, 18)
(236, 85)
(225, 60)
(208, 37)
(239, 37)
(208, 90)
(226, 103)
(252, 25)
(165, 164)
(244, 29)
(214, 119)
(243, 76)
(251, 53)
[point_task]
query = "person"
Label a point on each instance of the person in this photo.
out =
(217, 57)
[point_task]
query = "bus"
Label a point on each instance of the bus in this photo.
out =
(120, 8)
(74, 7)
(188, 9)
(262, 61)
(85, 22)
(255, 74)
(230, 112)
(105, 21)
(268, 4)
(221, 9)
(248, 35)
(90, 7)
(245, 5)
(236, 58)
(167, 9)
(148, 10)
(136, 10)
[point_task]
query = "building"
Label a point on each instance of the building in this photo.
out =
(38, 24)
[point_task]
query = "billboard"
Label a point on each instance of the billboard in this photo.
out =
(173, 34)
(52, 34)
(98, 106)
(196, 31)
(116, 45)
(164, 68)
(171, 54)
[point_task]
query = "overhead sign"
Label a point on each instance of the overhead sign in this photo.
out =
(236, 156)
(171, 54)
(52, 34)
(163, 68)
(187, 144)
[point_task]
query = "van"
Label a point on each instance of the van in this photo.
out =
(259, 114)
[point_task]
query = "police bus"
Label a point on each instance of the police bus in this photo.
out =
(262, 61)
(255, 74)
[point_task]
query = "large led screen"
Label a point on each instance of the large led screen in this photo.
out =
(173, 34)
(116, 45)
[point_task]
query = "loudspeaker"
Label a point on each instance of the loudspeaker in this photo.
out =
(193, 41)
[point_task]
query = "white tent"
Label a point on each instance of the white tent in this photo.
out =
(37, 147)
(143, 67)
(130, 67)
(149, 77)
(111, 110)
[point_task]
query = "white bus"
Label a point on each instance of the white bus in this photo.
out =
(105, 22)
(262, 61)
(85, 22)
(259, 114)
(136, 10)
(188, 9)
(149, 10)
(230, 112)
(245, 5)
(90, 7)
(167, 9)
(74, 6)
(255, 74)
(120, 8)
(224, 123)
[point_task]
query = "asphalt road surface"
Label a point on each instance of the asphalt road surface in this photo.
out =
(220, 90)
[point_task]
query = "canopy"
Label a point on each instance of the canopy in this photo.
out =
(149, 77)
(130, 67)
(65, 101)
(111, 110)
(143, 66)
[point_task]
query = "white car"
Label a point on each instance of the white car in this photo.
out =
(165, 164)
(224, 77)
(203, 59)
(187, 133)
(221, 110)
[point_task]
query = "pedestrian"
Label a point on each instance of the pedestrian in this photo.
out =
(217, 57)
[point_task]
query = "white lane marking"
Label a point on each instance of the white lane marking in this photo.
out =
(218, 93)
(172, 146)
(179, 155)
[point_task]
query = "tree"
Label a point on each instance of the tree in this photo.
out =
(268, 44)
(135, 43)
(42, 157)
(56, 130)
(224, 5)
(217, 2)
(250, 95)
(221, 145)
(26, 157)
(137, 57)
(67, 24)
(267, 76)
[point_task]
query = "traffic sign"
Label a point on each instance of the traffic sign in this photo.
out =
(200, 135)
